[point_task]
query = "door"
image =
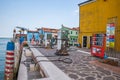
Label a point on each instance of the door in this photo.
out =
(90, 41)
(84, 41)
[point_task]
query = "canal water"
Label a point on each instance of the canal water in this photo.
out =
(3, 43)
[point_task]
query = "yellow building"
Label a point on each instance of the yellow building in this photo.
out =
(94, 17)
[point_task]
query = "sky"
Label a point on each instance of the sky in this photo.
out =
(33, 14)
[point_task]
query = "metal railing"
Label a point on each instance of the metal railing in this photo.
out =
(115, 52)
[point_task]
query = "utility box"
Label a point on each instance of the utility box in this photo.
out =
(98, 45)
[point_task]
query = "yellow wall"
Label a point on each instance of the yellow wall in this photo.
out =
(94, 17)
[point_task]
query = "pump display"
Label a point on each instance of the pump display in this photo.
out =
(98, 45)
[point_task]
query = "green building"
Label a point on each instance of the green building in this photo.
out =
(71, 34)
(65, 32)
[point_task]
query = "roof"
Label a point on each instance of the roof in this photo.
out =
(33, 31)
(38, 28)
(65, 26)
(22, 28)
(54, 30)
(85, 2)
(76, 29)
(18, 35)
(50, 30)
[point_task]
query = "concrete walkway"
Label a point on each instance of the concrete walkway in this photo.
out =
(81, 69)
(50, 70)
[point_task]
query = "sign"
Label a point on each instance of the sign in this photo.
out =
(110, 35)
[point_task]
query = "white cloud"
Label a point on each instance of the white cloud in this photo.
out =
(76, 12)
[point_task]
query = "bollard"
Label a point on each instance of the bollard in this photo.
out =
(105, 56)
(9, 63)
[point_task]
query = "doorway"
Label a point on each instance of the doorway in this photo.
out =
(84, 41)
(90, 41)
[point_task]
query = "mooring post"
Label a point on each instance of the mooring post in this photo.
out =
(9, 63)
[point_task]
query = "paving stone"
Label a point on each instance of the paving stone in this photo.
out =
(103, 71)
(92, 67)
(95, 72)
(81, 69)
(82, 65)
(86, 70)
(82, 74)
(116, 75)
(107, 72)
(118, 78)
(85, 67)
(74, 76)
(108, 78)
(102, 74)
(90, 78)
(81, 79)
(98, 79)
(99, 69)
(72, 71)
(99, 76)
(89, 74)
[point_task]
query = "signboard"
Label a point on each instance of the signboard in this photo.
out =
(110, 35)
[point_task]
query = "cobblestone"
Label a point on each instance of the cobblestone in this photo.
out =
(116, 75)
(81, 79)
(108, 78)
(90, 78)
(104, 71)
(73, 76)
(81, 69)
(82, 74)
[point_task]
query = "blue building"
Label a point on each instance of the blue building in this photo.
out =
(43, 31)
(33, 35)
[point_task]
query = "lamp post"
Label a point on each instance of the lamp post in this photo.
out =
(14, 34)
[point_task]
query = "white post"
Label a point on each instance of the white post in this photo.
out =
(45, 39)
(59, 41)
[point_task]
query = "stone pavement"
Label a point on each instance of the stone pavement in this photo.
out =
(81, 69)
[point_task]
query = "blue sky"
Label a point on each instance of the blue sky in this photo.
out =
(33, 14)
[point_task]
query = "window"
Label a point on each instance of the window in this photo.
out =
(71, 32)
(76, 32)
